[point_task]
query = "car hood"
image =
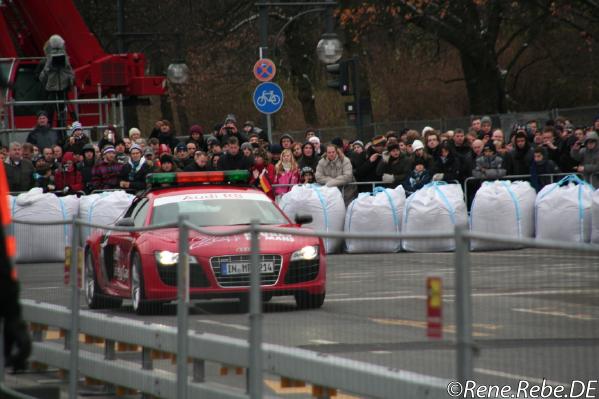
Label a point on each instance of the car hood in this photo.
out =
(205, 245)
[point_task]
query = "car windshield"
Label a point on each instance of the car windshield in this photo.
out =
(217, 212)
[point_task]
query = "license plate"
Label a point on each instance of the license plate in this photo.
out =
(228, 269)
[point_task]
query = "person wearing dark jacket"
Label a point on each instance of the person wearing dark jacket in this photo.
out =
(418, 178)
(541, 165)
(106, 174)
(133, 174)
(16, 345)
(520, 158)
(42, 135)
(76, 140)
(200, 163)
(196, 135)
(234, 159)
(447, 164)
(166, 135)
(19, 171)
(308, 157)
(86, 166)
(367, 172)
(396, 168)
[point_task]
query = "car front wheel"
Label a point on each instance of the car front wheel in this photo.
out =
(93, 294)
(138, 296)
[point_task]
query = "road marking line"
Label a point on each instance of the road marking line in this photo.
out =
(381, 352)
(555, 312)
(478, 295)
(323, 342)
(449, 328)
(534, 380)
(42, 288)
(218, 323)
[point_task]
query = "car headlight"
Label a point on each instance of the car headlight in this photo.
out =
(309, 252)
(168, 258)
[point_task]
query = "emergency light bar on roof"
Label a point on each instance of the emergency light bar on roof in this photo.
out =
(174, 178)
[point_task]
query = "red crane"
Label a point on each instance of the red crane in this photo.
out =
(26, 25)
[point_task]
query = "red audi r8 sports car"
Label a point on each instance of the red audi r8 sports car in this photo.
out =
(142, 266)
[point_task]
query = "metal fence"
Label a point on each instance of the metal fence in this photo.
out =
(579, 116)
(393, 325)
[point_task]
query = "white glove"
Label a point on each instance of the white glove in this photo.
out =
(388, 178)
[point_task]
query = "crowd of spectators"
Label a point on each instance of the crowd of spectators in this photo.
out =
(72, 163)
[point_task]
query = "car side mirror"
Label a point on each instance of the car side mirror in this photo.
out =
(125, 222)
(303, 219)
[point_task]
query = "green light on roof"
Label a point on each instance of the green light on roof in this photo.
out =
(161, 178)
(237, 176)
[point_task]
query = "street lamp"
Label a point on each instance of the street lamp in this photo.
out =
(177, 73)
(329, 49)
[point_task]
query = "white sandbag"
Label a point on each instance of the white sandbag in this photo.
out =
(377, 212)
(326, 206)
(104, 208)
(42, 243)
(563, 210)
(595, 218)
(437, 207)
(505, 208)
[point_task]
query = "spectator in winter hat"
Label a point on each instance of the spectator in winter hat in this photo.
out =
(318, 148)
(309, 157)
(275, 153)
(167, 163)
(133, 175)
(67, 178)
(106, 173)
(286, 141)
(489, 165)
(395, 168)
(182, 156)
(486, 124)
(307, 175)
(134, 134)
(587, 153)
(86, 165)
(418, 154)
(196, 135)
(77, 139)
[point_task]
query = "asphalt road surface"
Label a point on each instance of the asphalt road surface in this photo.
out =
(536, 314)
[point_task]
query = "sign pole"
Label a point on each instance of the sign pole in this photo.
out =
(269, 128)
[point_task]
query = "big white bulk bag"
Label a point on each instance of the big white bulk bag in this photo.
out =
(377, 212)
(595, 218)
(505, 208)
(563, 210)
(37, 243)
(326, 206)
(437, 207)
(104, 208)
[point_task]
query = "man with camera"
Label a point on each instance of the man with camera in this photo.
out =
(587, 153)
(57, 76)
(229, 129)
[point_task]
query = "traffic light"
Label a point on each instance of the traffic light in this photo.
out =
(339, 75)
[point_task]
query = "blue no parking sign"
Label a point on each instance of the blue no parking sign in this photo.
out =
(268, 97)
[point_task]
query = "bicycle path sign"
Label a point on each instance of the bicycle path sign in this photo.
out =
(268, 97)
(264, 70)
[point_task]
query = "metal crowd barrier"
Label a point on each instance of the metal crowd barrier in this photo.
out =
(300, 365)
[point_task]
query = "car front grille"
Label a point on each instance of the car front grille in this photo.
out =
(300, 271)
(197, 277)
(243, 280)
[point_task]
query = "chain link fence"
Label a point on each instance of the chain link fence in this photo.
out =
(579, 116)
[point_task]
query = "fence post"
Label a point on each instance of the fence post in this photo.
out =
(182, 308)
(255, 370)
(74, 333)
(463, 315)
